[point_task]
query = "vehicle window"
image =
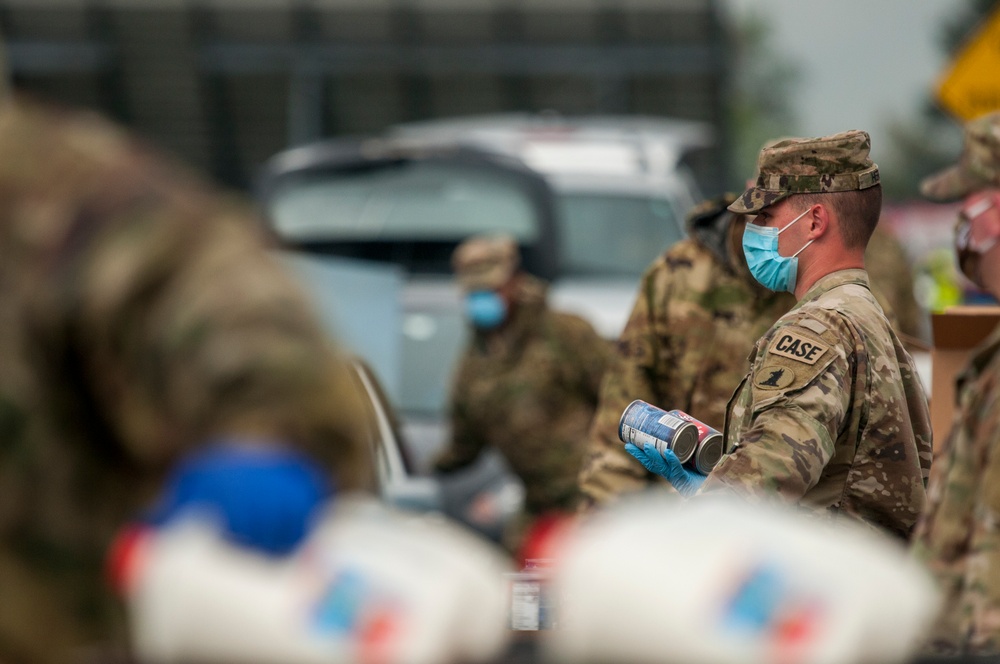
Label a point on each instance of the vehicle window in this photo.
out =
(409, 201)
(614, 235)
(431, 340)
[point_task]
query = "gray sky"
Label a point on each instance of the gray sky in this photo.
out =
(864, 63)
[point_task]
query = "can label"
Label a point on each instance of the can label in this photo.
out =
(643, 423)
(709, 450)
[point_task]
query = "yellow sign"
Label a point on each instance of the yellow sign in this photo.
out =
(971, 86)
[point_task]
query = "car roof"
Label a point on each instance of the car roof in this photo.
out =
(348, 155)
(556, 145)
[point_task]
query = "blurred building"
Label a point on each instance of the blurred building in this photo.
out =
(227, 83)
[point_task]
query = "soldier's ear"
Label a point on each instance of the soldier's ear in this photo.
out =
(818, 219)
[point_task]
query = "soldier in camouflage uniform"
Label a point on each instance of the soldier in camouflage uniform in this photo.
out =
(891, 275)
(527, 384)
(958, 536)
(832, 415)
(140, 316)
(696, 317)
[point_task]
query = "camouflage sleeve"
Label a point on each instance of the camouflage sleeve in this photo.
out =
(956, 534)
(154, 317)
(585, 356)
(186, 330)
(608, 471)
(467, 441)
(798, 395)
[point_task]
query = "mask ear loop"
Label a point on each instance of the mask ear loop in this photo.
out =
(792, 222)
(979, 208)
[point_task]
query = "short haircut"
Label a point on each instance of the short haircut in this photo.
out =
(858, 212)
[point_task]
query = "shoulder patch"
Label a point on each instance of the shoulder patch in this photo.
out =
(792, 344)
(774, 377)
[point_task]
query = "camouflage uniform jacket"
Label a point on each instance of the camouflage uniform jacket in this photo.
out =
(832, 414)
(140, 315)
(529, 390)
(958, 536)
(696, 317)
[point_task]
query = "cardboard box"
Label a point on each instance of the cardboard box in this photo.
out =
(956, 332)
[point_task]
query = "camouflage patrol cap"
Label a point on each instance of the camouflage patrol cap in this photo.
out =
(810, 166)
(709, 208)
(978, 166)
(485, 262)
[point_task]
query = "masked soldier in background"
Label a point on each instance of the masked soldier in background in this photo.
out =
(527, 383)
(141, 320)
(696, 318)
(832, 415)
(958, 536)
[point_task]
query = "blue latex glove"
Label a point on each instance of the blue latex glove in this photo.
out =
(261, 497)
(667, 465)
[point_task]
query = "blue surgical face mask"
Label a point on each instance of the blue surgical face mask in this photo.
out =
(485, 309)
(772, 270)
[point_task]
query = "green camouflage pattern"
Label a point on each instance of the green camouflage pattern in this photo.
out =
(141, 315)
(978, 166)
(810, 165)
(958, 536)
(891, 276)
(832, 415)
(697, 315)
(529, 390)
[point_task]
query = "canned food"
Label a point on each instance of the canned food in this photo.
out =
(643, 423)
(708, 451)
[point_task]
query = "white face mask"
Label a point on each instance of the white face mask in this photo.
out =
(970, 254)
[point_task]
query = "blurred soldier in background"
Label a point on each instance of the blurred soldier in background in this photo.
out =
(696, 318)
(958, 536)
(832, 415)
(141, 322)
(891, 277)
(527, 384)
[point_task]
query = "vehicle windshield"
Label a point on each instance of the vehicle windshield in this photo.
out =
(614, 235)
(406, 201)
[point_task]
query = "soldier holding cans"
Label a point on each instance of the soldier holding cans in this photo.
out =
(832, 414)
(697, 315)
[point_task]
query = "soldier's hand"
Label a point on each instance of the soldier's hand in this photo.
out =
(668, 466)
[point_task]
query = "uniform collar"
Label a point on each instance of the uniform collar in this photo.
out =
(836, 280)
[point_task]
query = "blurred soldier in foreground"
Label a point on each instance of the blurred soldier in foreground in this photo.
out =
(367, 584)
(832, 415)
(696, 318)
(141, 322)
(959, 534)
(527, 384)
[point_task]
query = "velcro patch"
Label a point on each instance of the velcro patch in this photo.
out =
(774, 377)
(813, 324)
(795, 346)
